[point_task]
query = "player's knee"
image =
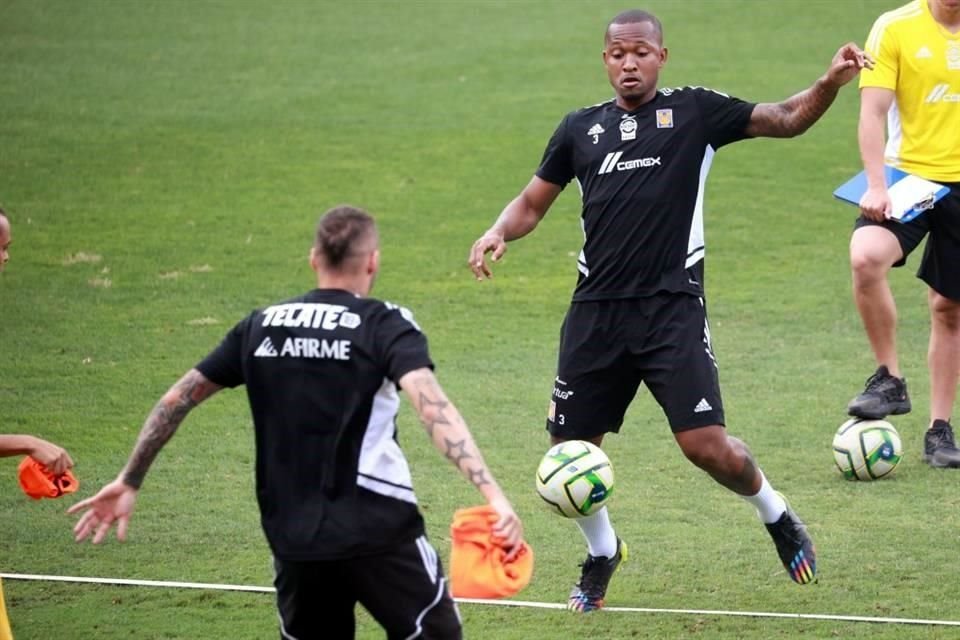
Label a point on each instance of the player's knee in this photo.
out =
(867, 266)
(873, 250)
(945, 312)
(703, 453)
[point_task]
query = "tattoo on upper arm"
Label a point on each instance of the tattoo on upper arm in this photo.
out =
(768, 120)
(163, 421)
(431, 404)
(432, 418)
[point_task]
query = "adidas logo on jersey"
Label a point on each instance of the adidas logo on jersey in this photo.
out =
(266, 349)
(924, 52)
(595, 131)
(702, 406)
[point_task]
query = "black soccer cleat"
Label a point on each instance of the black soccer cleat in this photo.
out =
(588, 594)
(939, 447)
(794, 547)
(882, 396)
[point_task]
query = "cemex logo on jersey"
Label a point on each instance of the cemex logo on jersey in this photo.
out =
(940, 94)
(612, 161)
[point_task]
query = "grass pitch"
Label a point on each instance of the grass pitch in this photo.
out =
(164, 164)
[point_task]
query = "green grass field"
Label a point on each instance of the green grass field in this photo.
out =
(164, 163)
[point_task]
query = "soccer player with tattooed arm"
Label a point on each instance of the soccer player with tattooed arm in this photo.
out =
(334, 488)
(638, 313)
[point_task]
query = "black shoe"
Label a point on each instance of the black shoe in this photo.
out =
(883, 395)
(794, 547)
(939, 447)
(588, 594)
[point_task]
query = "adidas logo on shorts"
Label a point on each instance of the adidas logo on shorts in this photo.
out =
(702, 406)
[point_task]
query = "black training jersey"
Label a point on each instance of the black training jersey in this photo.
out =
(641, 175)
(321, 373)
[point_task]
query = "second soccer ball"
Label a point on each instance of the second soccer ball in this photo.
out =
(866, 449)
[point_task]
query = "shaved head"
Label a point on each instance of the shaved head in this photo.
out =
(344, 235)
(634, 16)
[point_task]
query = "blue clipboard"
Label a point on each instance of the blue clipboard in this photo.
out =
(910, 195)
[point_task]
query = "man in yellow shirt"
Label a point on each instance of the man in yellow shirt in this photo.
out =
(915, 88)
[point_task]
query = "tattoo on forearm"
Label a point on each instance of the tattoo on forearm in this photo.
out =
(163, 422)
(456, 451)
(436, 417)
(794, 115)
(479, 477)
(454, 438)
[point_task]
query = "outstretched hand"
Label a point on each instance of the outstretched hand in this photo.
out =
(847, 63)
(113, 503)
(488, 242)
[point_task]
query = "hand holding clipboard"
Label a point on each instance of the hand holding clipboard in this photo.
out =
(910, 195)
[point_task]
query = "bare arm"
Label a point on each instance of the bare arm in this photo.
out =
(875, 102)
(796, 114)
(451, 436)
(518, 218)
(115, 501)
(192, 389)
(53, 457)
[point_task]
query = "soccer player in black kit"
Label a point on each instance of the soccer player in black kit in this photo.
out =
(638, 311)
(334, 488)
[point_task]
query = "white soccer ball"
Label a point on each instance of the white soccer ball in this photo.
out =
(866, 449)
(575, 478)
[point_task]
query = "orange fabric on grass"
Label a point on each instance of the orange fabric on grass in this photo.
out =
(477, 566)
(38, 483)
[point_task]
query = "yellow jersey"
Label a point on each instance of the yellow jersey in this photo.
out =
(919, 60)
(4, 622)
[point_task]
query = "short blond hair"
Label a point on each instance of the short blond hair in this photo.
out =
(342, 232)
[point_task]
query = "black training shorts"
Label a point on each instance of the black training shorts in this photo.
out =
(404, 590)
(608, 347)
(940, 265)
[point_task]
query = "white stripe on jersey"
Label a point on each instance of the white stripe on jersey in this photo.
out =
(695, 245)
(382, 467)
(894, 135)
(911, 10)
(582, 258)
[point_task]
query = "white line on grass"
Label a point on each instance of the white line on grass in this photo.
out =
(502, 603)
(139, 583)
